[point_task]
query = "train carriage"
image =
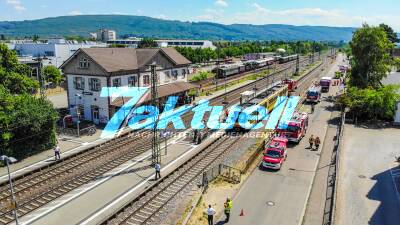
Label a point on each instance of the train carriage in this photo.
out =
(266, 99)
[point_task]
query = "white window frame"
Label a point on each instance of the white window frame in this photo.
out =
(79, 85)
(94, 84)
(84, 63)
(114, 81)
(146, 79)
(134, 79)
(174, 74)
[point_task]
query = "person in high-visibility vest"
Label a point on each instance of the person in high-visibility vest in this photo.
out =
(227, 210)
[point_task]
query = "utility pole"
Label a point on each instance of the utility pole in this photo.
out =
(313, 51)
(216, 77)
(155, 147)
(78, 114)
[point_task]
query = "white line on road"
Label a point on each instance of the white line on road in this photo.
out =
(394, 183)
(111, 204)
(84, 190)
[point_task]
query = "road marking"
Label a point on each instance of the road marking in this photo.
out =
(111, 204)
(84, 189)
(394, 175)
(45, 161)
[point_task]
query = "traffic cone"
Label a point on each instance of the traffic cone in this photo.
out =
(241, 213)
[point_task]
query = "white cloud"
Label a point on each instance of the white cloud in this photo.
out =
(212, 15)
(221, 3)
(75, 13)
(16, 4)
(259, 14)
(161, 16)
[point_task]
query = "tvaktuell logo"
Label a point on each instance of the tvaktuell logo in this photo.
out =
(145, 116)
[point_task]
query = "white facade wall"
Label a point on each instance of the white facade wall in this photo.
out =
(397, 114)
(86, 99)
(91, 98)
(57, 53)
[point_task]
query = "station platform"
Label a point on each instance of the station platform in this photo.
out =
(102, 196)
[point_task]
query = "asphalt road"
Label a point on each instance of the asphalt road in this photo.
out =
(366, 192)
(280, 197)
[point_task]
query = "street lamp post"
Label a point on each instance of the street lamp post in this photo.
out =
(7, 160)
(77, 114)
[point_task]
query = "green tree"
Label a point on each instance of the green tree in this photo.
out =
(371, 60)
(391, 35)
(51, 74)
(76, 38)
(147, 43)
(371, 103)
(117, 46)
(35, 38)
(27, 124)
(13, 75)
(396, 63)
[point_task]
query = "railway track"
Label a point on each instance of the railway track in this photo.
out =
(145, 208)
(44, 185)
(211, 84)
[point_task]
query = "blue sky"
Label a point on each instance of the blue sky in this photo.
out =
(297, 12)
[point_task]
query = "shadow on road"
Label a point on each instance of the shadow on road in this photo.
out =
(384, 192)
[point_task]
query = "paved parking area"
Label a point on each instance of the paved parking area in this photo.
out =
(369, 177)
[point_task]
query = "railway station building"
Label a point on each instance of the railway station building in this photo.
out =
(90, 69)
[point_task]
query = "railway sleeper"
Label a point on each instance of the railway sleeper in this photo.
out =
(8, 218)
(134, 220)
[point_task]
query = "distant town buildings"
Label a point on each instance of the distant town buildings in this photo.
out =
(133, 43)
(105, 35)
(90, 69)
(55, 51)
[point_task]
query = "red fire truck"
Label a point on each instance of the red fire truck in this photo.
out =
(296, 127)
(292, 84)
(275, 153)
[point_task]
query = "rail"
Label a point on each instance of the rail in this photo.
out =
(137, 207)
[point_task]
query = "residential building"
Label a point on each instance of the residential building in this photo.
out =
(89, 70)
(133, 43)
(105, 35)
(56, 51)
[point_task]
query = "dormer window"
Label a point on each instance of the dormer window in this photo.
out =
(84, 63)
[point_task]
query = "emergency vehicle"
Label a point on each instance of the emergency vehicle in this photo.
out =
(314, 94)
(275, 153)
(296, 127)
(292, 84)
(325, 83)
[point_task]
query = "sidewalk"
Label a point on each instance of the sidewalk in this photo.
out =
(73, 145)
(99, 198)
(280, 197)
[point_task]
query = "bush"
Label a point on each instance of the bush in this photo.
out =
(27, 124)
(338, 74)
(371, 103)
(200, 76)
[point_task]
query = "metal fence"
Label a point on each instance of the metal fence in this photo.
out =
(332, 180)
(90, 130)
(229, 173)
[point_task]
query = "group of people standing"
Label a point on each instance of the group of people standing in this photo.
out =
(227, 210)
(314, 141)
